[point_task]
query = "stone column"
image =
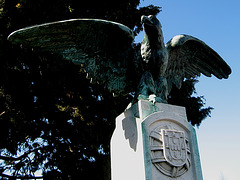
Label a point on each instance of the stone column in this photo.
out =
(154, 142)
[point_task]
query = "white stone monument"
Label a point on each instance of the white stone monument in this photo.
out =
(154, 142)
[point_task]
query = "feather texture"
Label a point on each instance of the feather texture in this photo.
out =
(103, 47)
(191, 57)
(109, 57)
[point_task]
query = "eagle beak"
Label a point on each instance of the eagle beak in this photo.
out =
(146, 20)
(143, 18)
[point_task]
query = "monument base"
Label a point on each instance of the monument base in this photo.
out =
(154, 142)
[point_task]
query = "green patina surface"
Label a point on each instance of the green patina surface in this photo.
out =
(109, 57)
(101, 46)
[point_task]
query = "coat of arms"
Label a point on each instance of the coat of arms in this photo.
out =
(174, 147)
(170, 151)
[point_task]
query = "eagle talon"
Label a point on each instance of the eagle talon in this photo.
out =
(151, 98)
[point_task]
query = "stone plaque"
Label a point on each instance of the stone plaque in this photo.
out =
(170, 151)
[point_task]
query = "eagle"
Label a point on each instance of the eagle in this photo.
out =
(109, 56)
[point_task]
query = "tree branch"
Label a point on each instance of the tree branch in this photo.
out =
(20, 177)
(7, 158)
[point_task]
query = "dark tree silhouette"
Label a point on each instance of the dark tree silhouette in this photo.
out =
(52, 119)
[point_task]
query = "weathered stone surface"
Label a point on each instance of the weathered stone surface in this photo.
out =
(127, 160)
(154, 142)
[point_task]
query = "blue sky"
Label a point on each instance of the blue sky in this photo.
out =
(217, 23)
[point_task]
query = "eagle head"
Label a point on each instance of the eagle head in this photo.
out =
(153, 41)
(151, 24)
(153, 32)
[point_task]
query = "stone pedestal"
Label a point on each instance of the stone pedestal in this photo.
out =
(154, 142)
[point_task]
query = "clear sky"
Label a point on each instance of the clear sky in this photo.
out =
(217, 23)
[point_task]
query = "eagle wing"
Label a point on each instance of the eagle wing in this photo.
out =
(191, 57)
(103, 47)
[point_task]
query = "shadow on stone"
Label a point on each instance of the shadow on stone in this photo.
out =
(130, 131)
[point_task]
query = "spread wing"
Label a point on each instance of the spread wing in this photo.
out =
(104, 47)
(191, 57)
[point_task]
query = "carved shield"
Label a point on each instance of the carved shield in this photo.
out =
(174, 147)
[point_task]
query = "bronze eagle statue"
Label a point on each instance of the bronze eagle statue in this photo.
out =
(107, 52)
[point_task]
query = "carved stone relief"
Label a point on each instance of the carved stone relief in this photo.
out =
(170, 151)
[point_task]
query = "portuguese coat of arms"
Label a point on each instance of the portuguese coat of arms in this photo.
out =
(170, 151)
(174, 147)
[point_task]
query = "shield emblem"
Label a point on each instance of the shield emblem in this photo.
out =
(174, 147)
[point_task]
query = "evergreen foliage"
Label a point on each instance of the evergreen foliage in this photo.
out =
(52, 118)
(194, 105)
